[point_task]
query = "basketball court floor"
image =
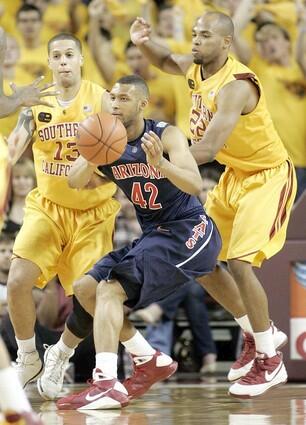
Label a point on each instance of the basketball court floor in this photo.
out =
(198, 403)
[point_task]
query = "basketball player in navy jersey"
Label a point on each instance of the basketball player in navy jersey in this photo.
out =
(179, 243)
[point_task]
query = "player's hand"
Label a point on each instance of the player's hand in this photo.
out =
(96, 8)
(140, 31)
(32, 94)
(153, 148)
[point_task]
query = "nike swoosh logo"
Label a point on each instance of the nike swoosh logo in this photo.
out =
(270, 376)
(162, 229)
(95, 397)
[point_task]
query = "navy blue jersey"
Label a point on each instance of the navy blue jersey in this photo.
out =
(155, 198)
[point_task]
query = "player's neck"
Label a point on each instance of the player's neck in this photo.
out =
(213, 67)
(135, 130)
(68, 93)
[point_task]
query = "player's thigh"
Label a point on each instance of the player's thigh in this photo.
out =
(92, 241)
(263, 211)
(39, 241)
(217, 207)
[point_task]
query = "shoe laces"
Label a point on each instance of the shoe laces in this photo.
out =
(21, 359)
(139, 373)
(248, 349)
(56, 365)
(258, 367)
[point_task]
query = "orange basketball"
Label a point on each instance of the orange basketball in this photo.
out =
(101, 138)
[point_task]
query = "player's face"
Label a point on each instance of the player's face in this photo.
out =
(6, 250)
(136, 61)
(125, 103)
(272, 43)
(29, 24)
(65, 61)
(207, 44)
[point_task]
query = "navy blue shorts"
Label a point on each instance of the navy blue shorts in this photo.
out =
(162, 259)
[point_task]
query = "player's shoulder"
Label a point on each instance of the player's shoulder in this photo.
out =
(89, 85)
(152, 125)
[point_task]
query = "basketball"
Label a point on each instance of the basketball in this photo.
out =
(101, 138)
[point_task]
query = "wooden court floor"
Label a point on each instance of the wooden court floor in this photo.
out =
(183, 404)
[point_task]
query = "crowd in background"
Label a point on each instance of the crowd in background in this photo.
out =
(270, 37)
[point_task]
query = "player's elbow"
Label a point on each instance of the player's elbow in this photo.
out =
(196, 186)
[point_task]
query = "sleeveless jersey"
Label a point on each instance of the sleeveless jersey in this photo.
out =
(155, 198)
(55, 150)
(254, 143)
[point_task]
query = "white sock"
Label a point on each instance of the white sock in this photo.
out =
(244, 323)
(12, 396)
(264, 342)
(63, 347)
(26, 345)
(138, 345)
(107, 363)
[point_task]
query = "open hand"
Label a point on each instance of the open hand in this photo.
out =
(33, 93)
(153, 148)
(140, 31)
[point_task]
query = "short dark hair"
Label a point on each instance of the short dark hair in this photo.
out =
(28, 8)
(65, 36)
(134, 79)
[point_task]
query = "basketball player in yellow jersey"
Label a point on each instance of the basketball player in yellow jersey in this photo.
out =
(251, 204)
(64, 230)
(13, 401)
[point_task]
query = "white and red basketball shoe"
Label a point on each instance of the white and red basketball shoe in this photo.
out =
(25, 418)
(264, 374)
(103, 393)
(147, 371)
(245, 361)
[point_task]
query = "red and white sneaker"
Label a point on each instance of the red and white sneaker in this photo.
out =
(245, 361)
(25, 418)
(265, 374)
(147, 371)
(102, 394)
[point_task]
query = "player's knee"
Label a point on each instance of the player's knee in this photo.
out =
(84, 289)
(18, 283)
(107, 291)
(240, 270)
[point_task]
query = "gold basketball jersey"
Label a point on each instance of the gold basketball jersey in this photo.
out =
(254, 143)
(55, 150)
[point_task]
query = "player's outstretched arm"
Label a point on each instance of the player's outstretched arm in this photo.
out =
(181, 169)
(158, 54)
(21, 136)
(234, 99)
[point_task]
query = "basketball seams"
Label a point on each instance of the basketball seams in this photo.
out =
(104, 149)
(101, 127)
(90, 133)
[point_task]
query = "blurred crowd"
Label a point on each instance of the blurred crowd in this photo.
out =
(270, 37)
